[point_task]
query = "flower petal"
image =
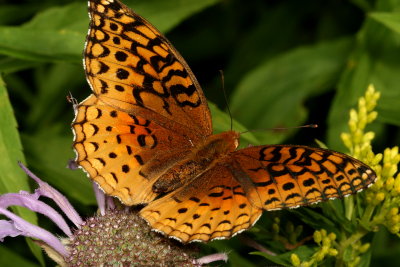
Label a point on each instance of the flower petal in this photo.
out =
(212, 258)
(110, 203)
(27, 229)
(46, 190)
(7, 229)
(32, 203)
(100, 198)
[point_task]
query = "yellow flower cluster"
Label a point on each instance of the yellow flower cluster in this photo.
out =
(384, 197)
(325, 242)
(357, 248)
(357, 140)
(387, 186)
(291, 233)
(380, 204)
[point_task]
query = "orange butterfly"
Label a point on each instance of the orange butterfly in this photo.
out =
(145, 136)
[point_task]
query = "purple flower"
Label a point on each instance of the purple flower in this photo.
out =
(17, 226)
(113, 231)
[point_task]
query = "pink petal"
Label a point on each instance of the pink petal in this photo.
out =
(7, 228)
(110, 203)
(32, 203)
(212, 258)
(27, 229)
(46, 190)
(100, 198)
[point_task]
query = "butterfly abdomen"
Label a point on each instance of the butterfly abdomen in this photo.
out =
(203, 157)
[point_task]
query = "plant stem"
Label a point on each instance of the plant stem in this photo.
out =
(343, 245)
(349, 206)
(367, 214)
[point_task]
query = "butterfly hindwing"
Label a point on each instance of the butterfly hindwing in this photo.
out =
(212, 206)
(286, 176)
(229, 197)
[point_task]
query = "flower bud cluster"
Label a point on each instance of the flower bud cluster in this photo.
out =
(385, 193)
(325, 242)
(122, 238)
(354, 252)
(291, 233)
(357, 140)
(383, 198)
(379, 205)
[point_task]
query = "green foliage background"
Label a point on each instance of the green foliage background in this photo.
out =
(286, 63)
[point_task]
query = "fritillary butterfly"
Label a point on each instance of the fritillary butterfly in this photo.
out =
(145, 137)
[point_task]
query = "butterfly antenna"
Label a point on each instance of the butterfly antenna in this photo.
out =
(225, 97)
(73, 101)
(282, 128)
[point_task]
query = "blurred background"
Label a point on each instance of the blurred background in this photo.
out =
(285, 63)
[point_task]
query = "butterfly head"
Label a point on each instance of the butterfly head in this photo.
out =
(230, 140)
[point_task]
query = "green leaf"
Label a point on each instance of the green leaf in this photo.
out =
(272, 95)
(389, 19)
(11, 258)
(252, 50)
(334, 210)
(53, 84)
(58, 33)
(363, 4)
(10, 65)
(315, 220)
(304, 253)
(165, 15)
(13, 13)
(365, 259)
(222, 122)
(348, 254)
(12, 178)
(55, 34)
(49, 155)
(232, 247)
(374, 61)
(235, 260)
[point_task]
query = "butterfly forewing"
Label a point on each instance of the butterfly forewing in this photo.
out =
(147, 109)
(131, 66)
(124, 153)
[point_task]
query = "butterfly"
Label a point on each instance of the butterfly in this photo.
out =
(145, 136)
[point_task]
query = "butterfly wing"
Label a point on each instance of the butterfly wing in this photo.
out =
(131, 66)
(123, 153)
(212, 206)
(286, 176)
(146, 111)
(229, 197)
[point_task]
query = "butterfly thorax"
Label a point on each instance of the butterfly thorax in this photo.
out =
(204, 156)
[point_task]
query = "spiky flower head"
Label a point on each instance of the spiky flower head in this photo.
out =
(122, 238)
(115, 236)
